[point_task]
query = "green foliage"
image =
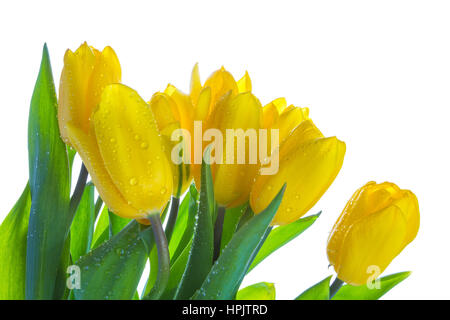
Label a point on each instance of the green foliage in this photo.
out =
(319, 291)
(227, 273)
(363, 292)
(257, 291)
(49, 186)
(13, 249)
(279, 236)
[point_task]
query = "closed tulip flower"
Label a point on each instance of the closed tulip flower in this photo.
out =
(308, 164)
(172, 114)
(115, 133)
(374, 227)
(223, 103)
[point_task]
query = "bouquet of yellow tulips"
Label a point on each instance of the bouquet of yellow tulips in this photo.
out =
(204, 186)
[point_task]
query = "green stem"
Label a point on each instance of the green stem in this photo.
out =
(172, 217)
(77, 194)
(163, 258)
(218, 229)
(335, 286)
(98, 206)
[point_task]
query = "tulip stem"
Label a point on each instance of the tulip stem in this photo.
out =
(172, 217)
(163, 258)
(218, 229)
(77, 194)
(335, 286)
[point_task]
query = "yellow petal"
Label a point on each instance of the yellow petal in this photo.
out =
(73, 87)
(203, 103)
(373, 241)
(409, 206)
(132, 149)
(220, 82)
(184, 106)
(245, 83)
(106, 71)
(308, 167)
(290, 119)
(233, 181)
(87, 148)
(164, 109)
(196, 85)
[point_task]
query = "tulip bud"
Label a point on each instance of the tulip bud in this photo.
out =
(115, 133)
(85, 73)
(167, 114)
(374, 227)
(222, 103)
(308, 164)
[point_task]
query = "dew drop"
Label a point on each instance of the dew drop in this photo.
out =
(144, 145)
(163, 190)
(133, 181)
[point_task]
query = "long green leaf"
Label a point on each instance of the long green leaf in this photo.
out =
(279, 236)
(319, 291)
(184, 227)
(201, 254)
(226, 274)
(113, 270)
(49, 186)
(230, 223)
(13, 249)
(82, 229)
(363, 292)
(257, 291)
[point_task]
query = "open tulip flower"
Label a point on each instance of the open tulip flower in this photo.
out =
(233, 176)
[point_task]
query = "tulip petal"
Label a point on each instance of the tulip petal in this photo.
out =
(308, 168)
(220, 82)
(92, 159)
(196, 85)
(245, 83)
(73, 86)
(371, 242)
(131, 149)
(106, 71)
(233, 181)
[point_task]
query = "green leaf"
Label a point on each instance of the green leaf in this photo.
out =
(201, 254)
(184, 226)
(82, 229)
(226, 274)
(279, 236)
(101, 232)
(113, 270)
(257, 291)
(116, 223)
(319, 291)
(363, 292)
(232, 217)
(13, 249)
(49, 186)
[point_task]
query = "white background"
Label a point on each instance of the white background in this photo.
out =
(374, 73)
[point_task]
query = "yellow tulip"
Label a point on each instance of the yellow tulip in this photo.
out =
(86, 72)
(115, 133)
(308, 163)
(374, 227)
(172, 114)
(223, 103)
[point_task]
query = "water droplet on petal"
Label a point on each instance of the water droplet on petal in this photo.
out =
(133, 181)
